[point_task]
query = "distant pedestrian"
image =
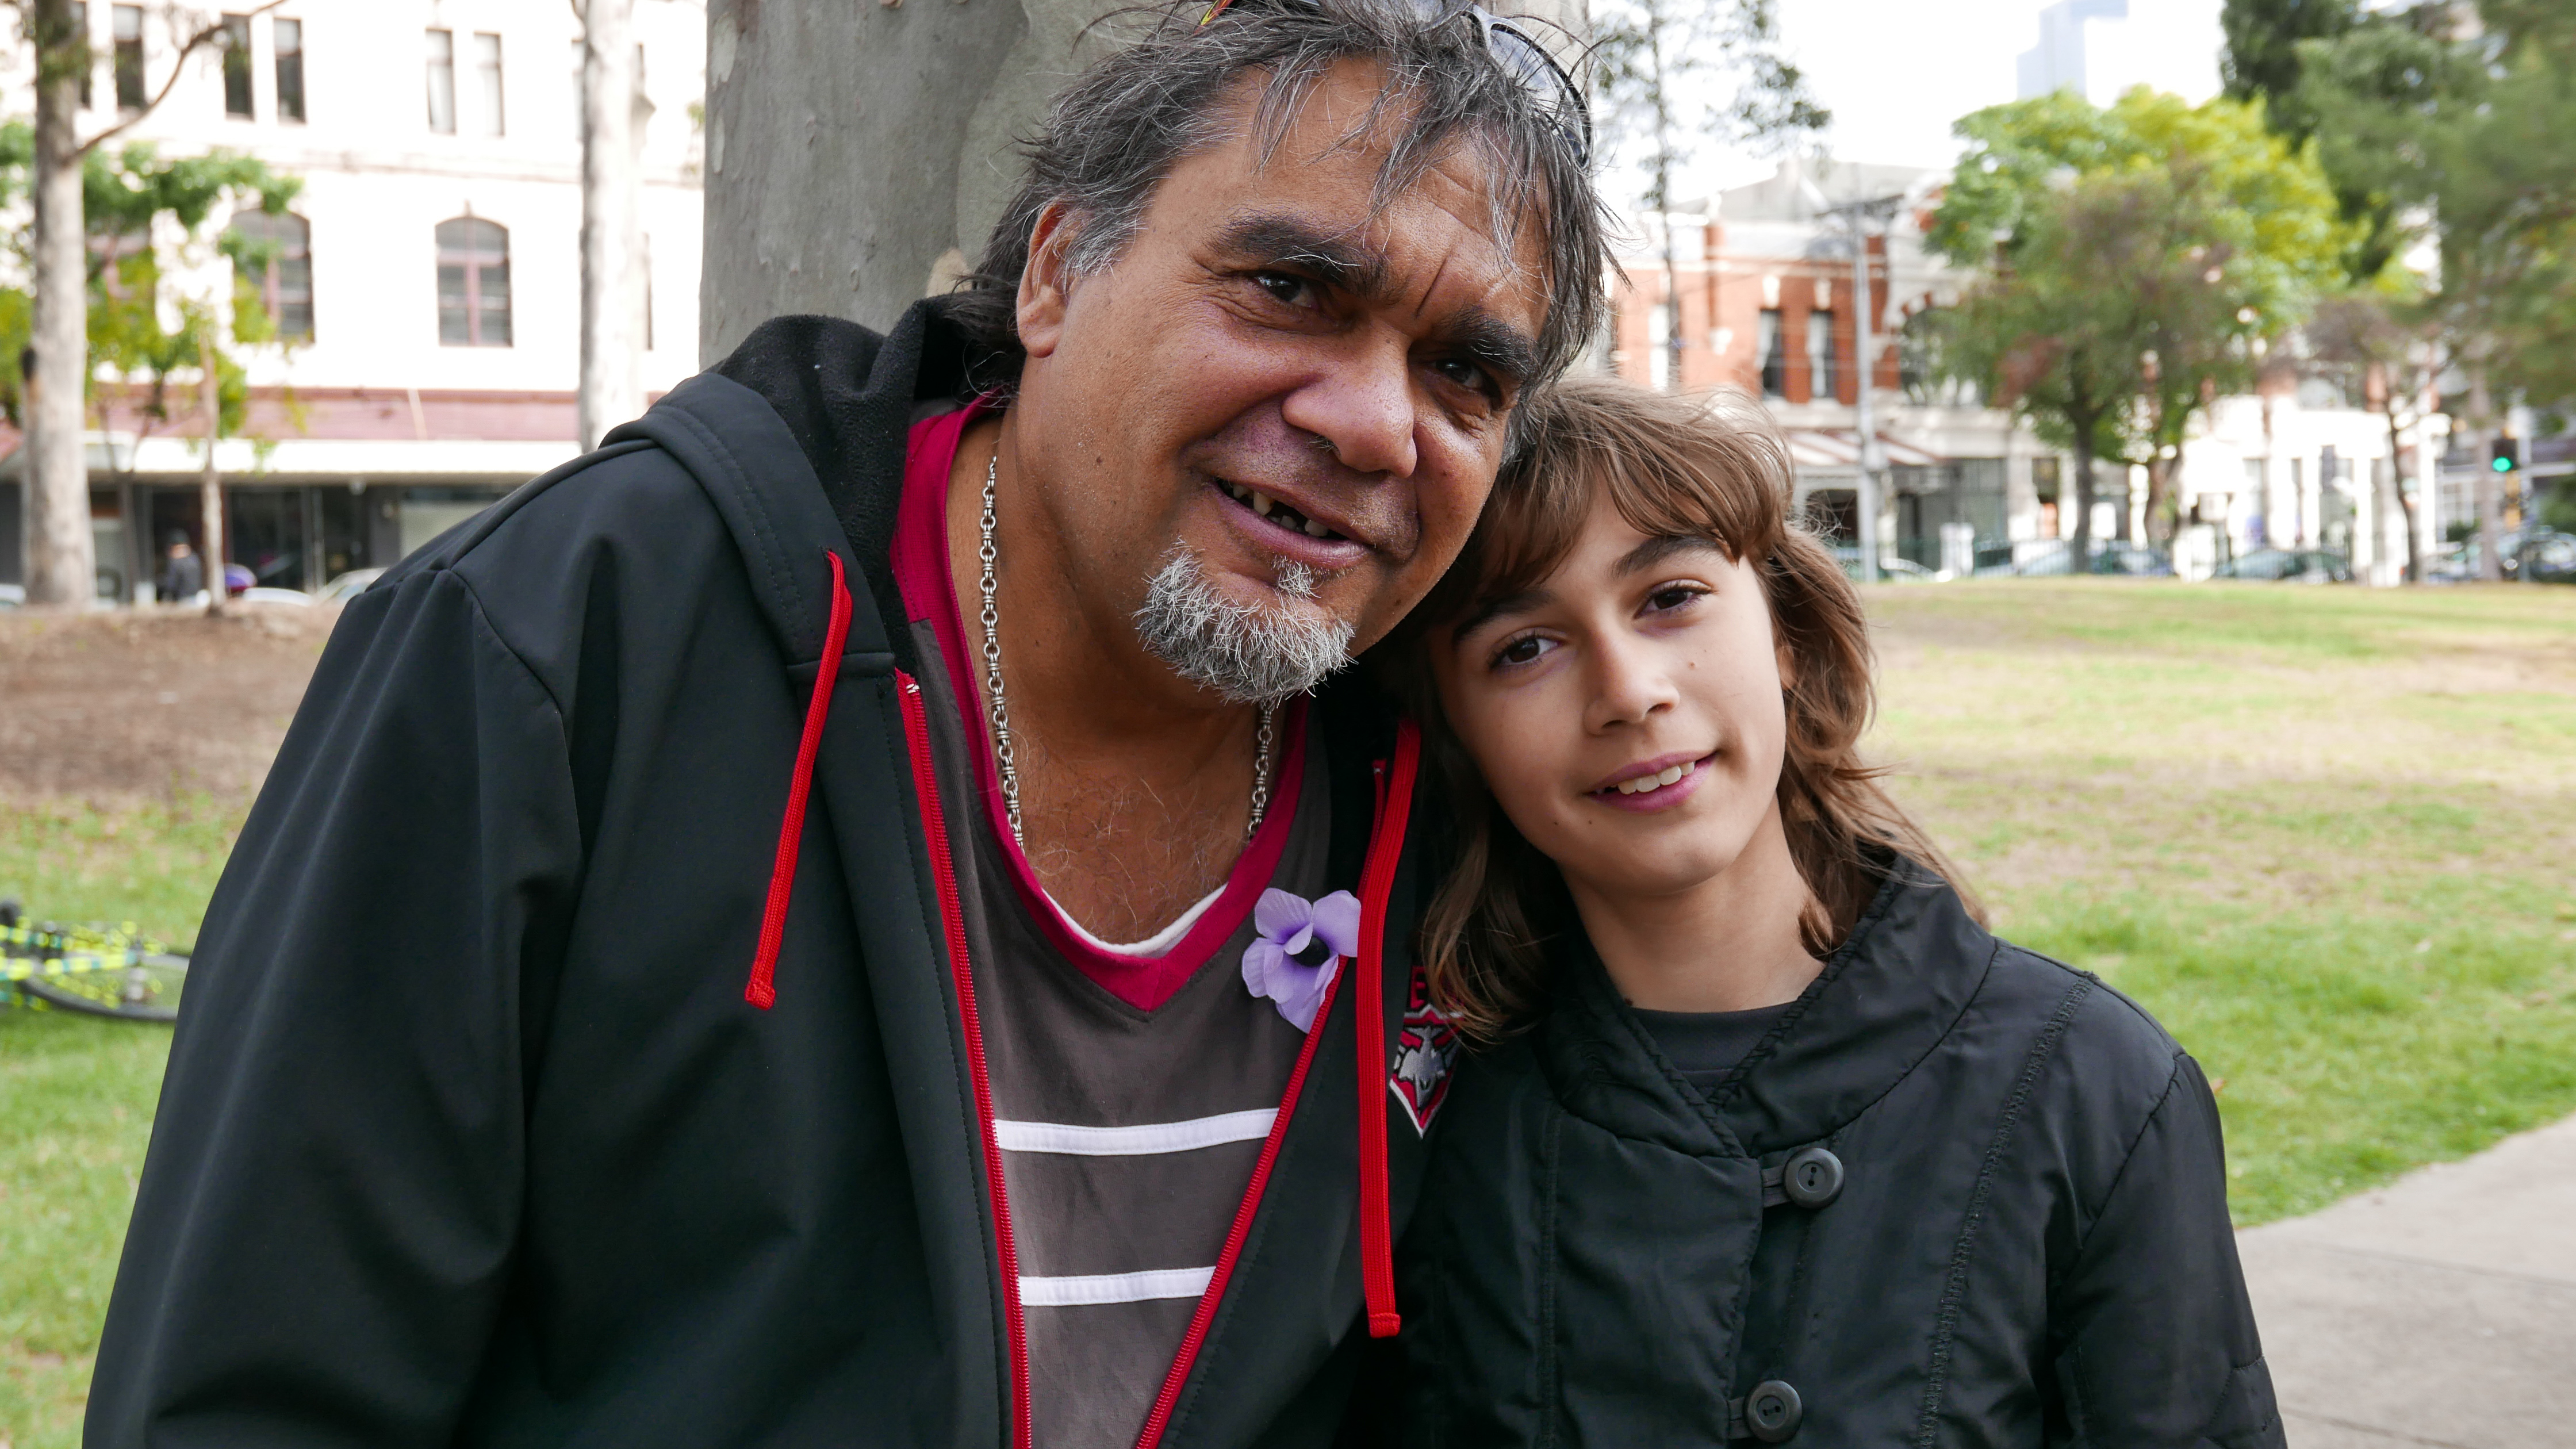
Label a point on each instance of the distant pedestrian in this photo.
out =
(183, 576)
(1777, 1140)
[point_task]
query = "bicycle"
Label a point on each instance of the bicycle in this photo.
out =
(96, 971)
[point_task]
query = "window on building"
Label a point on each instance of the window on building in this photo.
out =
(284, 269)
(473, 283)
(235, 46)
(289, 40)
(128, 22)
(1774, 350)
(1824, 379)
(442, 82)
(487, 75)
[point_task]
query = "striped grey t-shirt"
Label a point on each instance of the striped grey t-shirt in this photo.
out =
(1131, 1094)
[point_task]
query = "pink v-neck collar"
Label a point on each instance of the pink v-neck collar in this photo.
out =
(930, 595)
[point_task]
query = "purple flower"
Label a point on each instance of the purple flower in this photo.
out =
(1301, 945)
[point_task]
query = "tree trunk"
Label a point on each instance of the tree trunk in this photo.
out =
(2490, 489)
(2079, 545)
(2159, 488)
(1673, 331)
(210, 483)
(612, 305)
(61, 566)
(2397, 495)
(811, 102)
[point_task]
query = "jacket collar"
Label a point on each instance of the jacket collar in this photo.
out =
(1886, 997)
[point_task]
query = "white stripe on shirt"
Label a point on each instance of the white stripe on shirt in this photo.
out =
(1115, 1287)
(1145, 1141)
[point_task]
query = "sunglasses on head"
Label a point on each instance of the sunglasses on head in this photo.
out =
(1560, 100)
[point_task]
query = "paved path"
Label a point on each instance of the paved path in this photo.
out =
(2438, 1311)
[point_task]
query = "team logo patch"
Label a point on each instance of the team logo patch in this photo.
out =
(1425, 1049)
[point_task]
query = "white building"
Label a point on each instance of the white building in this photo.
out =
(431, 262)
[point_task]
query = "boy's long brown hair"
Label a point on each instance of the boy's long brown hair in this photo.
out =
(1713, 467)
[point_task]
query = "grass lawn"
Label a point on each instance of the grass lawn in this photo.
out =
(76, 1095)
(2327, 835)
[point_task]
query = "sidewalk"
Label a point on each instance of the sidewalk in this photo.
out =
(2440, 1310)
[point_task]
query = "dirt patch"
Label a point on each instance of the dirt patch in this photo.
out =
(131, 706)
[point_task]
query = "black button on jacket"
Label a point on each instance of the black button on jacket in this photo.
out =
(2030, 1246)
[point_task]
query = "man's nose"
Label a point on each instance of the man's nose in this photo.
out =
(1363, 406)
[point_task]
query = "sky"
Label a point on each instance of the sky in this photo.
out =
(1896, 73)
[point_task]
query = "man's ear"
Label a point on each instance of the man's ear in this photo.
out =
(1046, 285)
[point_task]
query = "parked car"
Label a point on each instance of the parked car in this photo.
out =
(2109, 557)
(2539, 553)
(2288, 566)
(1890, 567)
(349, 585)
(13, 596)
(2546, 556)
(262, 594)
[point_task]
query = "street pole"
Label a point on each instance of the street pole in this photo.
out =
(210, 483)
(1869, 449)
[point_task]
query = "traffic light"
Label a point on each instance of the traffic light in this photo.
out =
(2505, 455)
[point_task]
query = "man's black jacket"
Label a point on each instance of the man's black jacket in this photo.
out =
(470, 1135)
(2029, 1245)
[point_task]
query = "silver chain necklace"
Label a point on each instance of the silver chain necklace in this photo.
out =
(1265, 735)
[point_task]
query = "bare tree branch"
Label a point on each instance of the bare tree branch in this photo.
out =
(178, 64)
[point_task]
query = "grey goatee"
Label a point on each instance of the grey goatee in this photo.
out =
(1244, 652)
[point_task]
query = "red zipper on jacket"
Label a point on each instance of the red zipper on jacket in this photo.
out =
(1205, 1316)
(1377, 882)
(1377, 1272)
(943, 875)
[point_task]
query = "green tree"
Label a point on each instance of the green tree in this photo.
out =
(56, 359)
(149, 217)
(148, 233)
(2463, 128)
(2261, 58)
(2132, 263)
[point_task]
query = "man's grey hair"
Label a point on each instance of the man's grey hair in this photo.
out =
(1117, 132)
(1242, 652)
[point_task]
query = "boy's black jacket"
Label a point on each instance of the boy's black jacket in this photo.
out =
(2030, 1246)
(470, 1136)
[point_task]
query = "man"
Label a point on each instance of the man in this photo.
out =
(182, 577)
(754, 940)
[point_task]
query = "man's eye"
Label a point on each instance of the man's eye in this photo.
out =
(1462, 372)
(1285, 287)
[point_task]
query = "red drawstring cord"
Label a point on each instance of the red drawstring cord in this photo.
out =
(761, 991)
(1377, 882)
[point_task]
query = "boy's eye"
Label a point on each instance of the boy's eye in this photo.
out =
(1527, 649)
(1671, 597)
